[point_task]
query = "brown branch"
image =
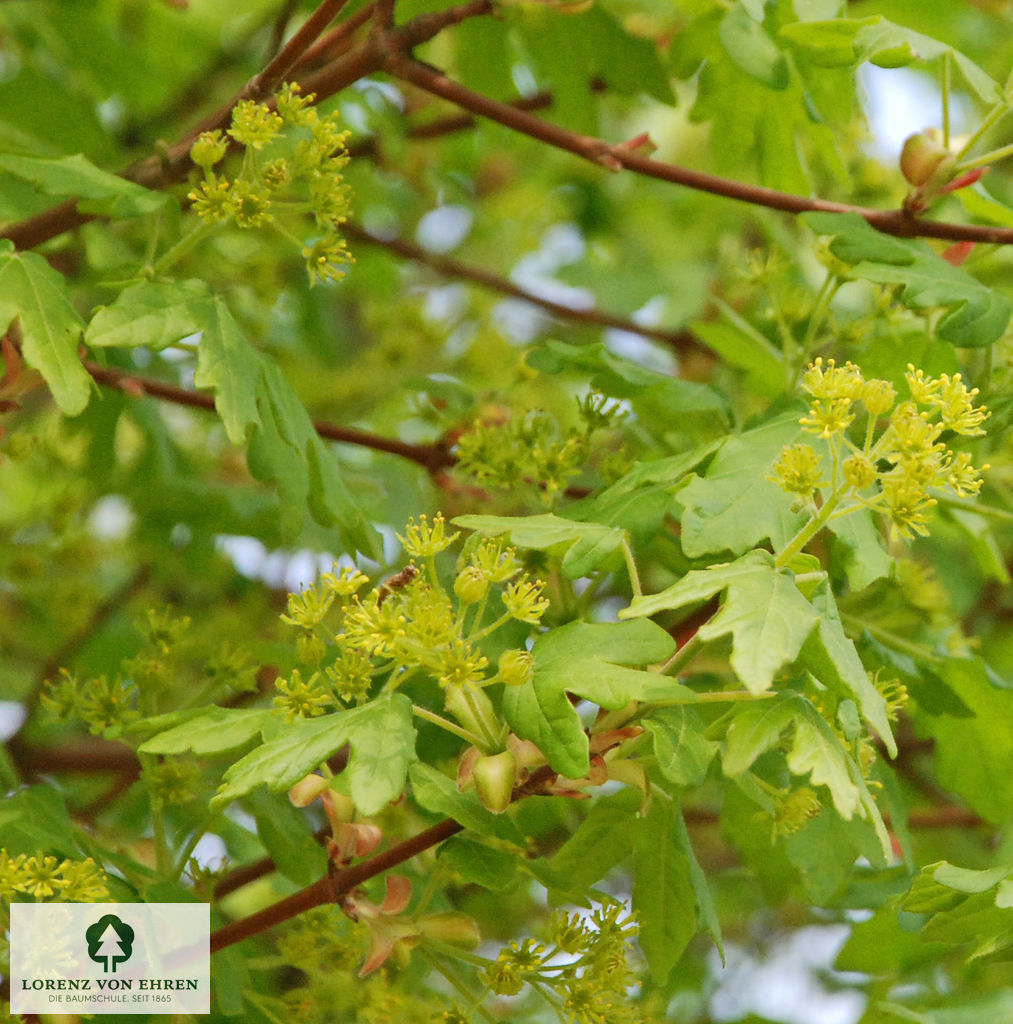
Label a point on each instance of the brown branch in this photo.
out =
(332, 887)
(679, 340)
(432, 457)
(86, 755)
(335, 42)
(280, 26)
(616, 157)
(288, 56)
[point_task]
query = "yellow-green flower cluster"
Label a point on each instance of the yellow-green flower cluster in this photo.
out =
(899, 462)
(584, 963)
(532, 449)
(105, 705)
(793, 811)
(356, 643)
(302, 176)
(46, 878)
(172, 782)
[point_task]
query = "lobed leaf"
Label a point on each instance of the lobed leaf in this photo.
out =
(763, 611)
(77, 177)
(32, 292)
(382, 741)
(976, 314)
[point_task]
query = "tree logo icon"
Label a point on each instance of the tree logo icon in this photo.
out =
(110, 942)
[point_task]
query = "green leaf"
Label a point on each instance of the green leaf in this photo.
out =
(767, 617)
(824, 855)
(752, 49)
(78, 177)
(976, 314)
(972, 754)
(539, 711)
(32, 291)
(229, 365)
(286, 450)
(883, 943)
(287, 838)
(382, 740)
(155, 315)
(640, 500)
(211, 731)
(663, 895)
(587, 660)
(734, 506)
(706, 910)
(478, 864)
(439, 794)
(739, 343)
(847, 42)
(656, 397)
(859, 550)
(584, 546)
(681, 747)
(253, 397)
(35, 820)
(605, 837)
(814, 747)
(830, 655)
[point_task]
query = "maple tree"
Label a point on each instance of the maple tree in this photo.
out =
(509, 501)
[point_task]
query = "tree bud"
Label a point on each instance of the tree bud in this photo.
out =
(494, 777)
(470, 585)
(925, 162)
(307, 789)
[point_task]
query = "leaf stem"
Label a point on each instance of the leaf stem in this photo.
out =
(682, 656)
(891, 639)
(445, 723)
(631, 568)
(182, 247)
(811, 528)
(991, 157)
(985, 511)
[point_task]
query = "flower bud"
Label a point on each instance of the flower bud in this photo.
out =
(209, 149)
(494, 777)
(307, 789)
(925, 162)
(859, 472)
(471, 585)
(516, 667)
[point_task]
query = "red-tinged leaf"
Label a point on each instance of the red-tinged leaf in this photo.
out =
(958, 252)
(965, 179)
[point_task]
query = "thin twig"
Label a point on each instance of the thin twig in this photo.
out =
(432, 457)
(280, 26)
(335, 42)
(679, 340)
(332, 887)
(616, 157)
(288, 56)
